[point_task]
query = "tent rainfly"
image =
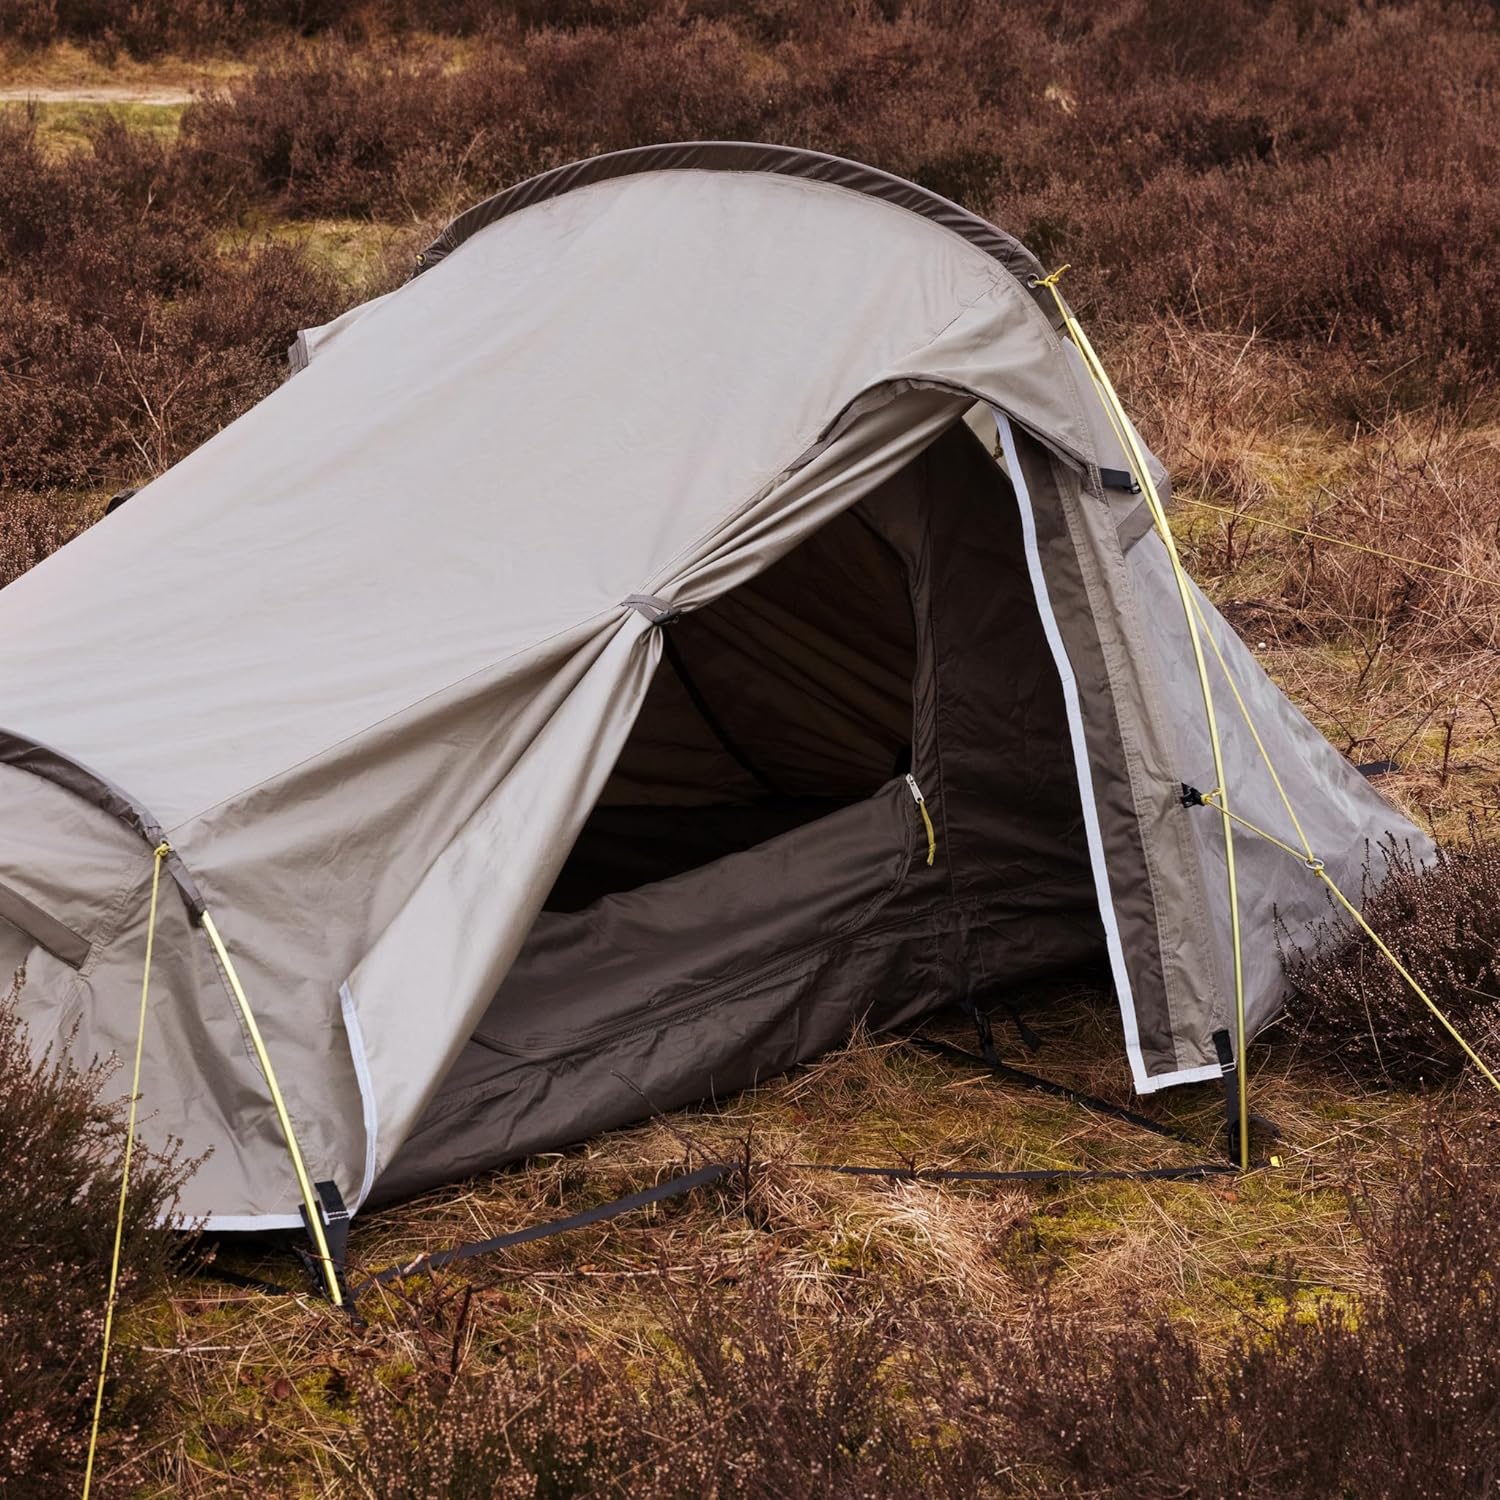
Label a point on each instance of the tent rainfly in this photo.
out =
(709, 606)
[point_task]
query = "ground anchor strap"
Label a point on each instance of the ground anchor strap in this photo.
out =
(1057, 1090)
(337, 1219)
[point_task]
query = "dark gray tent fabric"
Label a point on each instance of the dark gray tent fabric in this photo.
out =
(528, 689)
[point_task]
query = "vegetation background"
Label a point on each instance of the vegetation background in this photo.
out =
(1283, 222)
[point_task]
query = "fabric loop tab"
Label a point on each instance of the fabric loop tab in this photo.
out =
(658, 611)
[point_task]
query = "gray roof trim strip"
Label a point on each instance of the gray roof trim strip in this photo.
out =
(746, 156)
(73, 776)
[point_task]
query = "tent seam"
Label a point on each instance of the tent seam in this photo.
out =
(827, 434)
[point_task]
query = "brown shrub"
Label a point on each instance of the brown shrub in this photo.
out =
(1426, 492)
(1443, 923)
(1396, 1397)
(31, 526)
(148, 28)
(59, 1185)
(1319, 173)
(396, 136)
(737, 1404)
(126, 336)
(905, 1395)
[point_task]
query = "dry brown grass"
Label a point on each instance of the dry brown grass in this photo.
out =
(262, 1381)
(1391, 651)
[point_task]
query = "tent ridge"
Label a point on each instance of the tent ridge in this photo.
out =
(745, 156)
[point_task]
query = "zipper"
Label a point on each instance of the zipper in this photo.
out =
(921, 801)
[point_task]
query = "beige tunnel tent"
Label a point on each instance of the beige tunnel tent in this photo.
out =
(548, 691)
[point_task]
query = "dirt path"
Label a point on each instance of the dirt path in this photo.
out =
(107, 93)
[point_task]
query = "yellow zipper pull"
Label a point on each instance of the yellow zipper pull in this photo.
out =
(921, 801)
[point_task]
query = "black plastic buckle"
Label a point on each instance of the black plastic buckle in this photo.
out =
(1119, 479)
(336, 1220)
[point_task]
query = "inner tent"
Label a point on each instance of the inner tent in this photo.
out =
(757, 877)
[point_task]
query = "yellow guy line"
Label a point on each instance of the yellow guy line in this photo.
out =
(1216, 799)
(1132, 448)
(1306, 856)
(1338, 541)
(304, 1182)
(1260, 744)
(1316, 866)
(162, 850)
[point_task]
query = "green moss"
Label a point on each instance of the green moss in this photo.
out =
(362, 255)
(68, 125)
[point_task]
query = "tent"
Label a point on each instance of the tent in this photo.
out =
(710, 605)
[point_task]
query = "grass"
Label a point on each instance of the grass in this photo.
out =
(64, 126)
(1392, 662)
(259, 1378)
(68, 67)
(365, 256)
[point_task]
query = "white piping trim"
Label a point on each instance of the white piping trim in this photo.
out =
(1143, 1082)
(366, 1092)
(234, 1223)
(1200, 1074)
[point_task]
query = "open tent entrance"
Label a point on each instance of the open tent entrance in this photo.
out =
(758, 877)
(781, 703)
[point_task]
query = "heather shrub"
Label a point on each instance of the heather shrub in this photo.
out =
(1315, 173)
(148, 28)
(736, 1403)
(895, 1390)
(1419, 497)
(399, 136)
(1397, 1395)
(1425, 491)
(31, 526)
(126, 336)
(1443, 922)
(59, 1185)
(1318, 173)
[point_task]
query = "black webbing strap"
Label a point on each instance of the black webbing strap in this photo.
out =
(211, 1272)
(984, 1028)
(336, 1221)
(1057, 1090)
(673, 1187)
(1232, 1122)
(687, 1182)
(705, 1176)
(985, 1033)
(1029, 1039)
(1040, 1174)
